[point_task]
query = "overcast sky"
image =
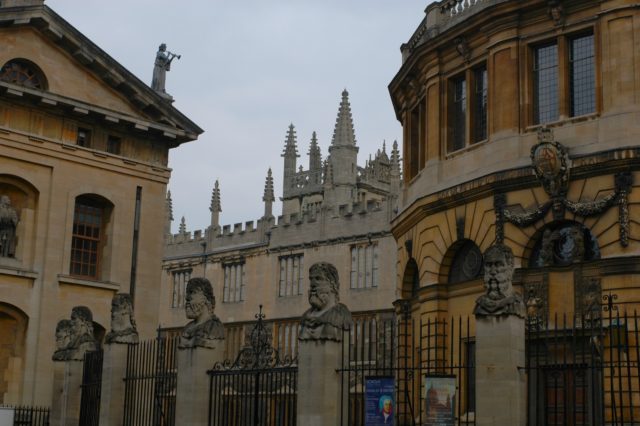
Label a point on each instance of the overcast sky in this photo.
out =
(248, 69)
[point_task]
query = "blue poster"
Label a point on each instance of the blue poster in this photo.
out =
(379, 401)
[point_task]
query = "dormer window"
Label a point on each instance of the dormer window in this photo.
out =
(24, 73)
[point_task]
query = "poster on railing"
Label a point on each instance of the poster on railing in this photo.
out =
(440, 395)
(379, 403)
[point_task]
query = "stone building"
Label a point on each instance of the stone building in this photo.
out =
(335, 211)
(83, 160)
(520, 125)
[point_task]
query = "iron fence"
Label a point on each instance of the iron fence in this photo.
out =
(28, 416)
(151, 383)
(90, 388)
(258, 388)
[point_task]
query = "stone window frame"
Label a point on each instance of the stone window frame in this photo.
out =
(179, 279)
(470, 134)
(565, 95)
(365, 266)
(290, 275)
(233, 290)
(416, 137)
(35, 77)
(285, 338)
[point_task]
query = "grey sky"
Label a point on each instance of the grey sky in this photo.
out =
(248, 69)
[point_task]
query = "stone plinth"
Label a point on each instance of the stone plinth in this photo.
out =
(67, 391)
(192, 394)
(319, 390)
(500, 376)
(114, 366)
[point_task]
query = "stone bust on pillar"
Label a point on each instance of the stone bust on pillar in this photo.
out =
(499, 299)
(327, 318)
(205, 328)
(74, 337)
(123, 324)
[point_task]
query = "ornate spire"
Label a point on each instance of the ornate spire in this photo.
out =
(315, 157)
(268, 196)
(183, 226)
(343, 133)
(290, 147)
(395, 159)
(216, 207)
(168, 206)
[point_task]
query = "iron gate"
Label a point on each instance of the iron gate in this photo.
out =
(91, 386)
(257, 388)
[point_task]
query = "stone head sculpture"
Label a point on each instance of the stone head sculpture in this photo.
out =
(64, 338)
(327, 318)
(82, 319)
(499, 297)
(123, 324)
(74, 337)
(205, 328)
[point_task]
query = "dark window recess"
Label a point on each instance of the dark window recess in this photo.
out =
(87, 235)
(582, 76)
(480, 104)
(470, 349)
(545, 70)
(458, 115)
(414, 138)
(114, 144)
(84, 137)
(466, 264)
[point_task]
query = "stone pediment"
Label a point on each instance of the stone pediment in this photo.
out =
(75, 68)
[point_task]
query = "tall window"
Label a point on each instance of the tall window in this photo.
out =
(545, 69)
(417, 139)
(291, 275)
(467, 108)
(89, 220)
(364, 266)
(564, 84)
(180, 279)
(234, 282)
(286, 336)
(582, 76)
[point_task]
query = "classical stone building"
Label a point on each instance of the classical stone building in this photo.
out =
(521, 125)
(83, 161)
(335, 211)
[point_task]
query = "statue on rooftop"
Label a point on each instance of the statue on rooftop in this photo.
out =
(8, 224)
(161, 65)
(205, 328)
(327, 318)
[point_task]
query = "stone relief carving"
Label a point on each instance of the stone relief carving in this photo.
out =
(462, 47)
(556, 12)
(327, 318)
(536, 300)
(8, 224)
(550, 162)
(123, 324)
(74, 337)
(205, 329)
(588, 294)
(500, 299)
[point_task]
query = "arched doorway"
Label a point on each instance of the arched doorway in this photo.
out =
(13, 329)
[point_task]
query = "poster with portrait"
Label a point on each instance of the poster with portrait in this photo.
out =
(380, 403)
(440, 398)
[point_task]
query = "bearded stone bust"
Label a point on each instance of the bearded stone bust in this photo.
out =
(123, 325)
(74, 337)
(499, 299)
(64, 338)
(327, 319)
(205, 328)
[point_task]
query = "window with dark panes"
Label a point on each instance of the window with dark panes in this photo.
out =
(458, 114)
(113, 145)
(545, 70)
(582, 75)
(88, 229)
(84, 137)
(414, 138)
(480, 104)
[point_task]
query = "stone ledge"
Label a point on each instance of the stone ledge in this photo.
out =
(16, 271)
(67, 279)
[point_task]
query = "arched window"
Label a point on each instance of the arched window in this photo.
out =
(23, 72)
(90, 219)
(466, 264)
(563, 243)
(411, 280)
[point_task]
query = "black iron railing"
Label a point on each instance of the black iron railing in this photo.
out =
(28, 416)
(90, 388)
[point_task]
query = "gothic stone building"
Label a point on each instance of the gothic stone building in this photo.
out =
(335, 211)
(520, 125)
(83, 161)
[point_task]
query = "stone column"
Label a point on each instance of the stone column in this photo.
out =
(322, 391)
(320, 394)
(501, 396)
(192, 394)
(65, 405)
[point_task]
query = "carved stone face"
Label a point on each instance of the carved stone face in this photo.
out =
(196, 303)
(120, 316)
(320, 293)
(5, 201)
(64, 334)
(497, 275)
